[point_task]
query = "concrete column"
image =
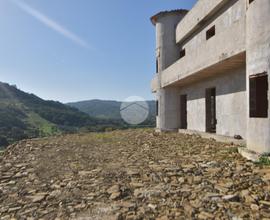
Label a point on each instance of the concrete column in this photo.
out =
(258, 61)
(167, 52)
(170, 109)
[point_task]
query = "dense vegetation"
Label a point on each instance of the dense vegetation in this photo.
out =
(24, 115)
(110, 110)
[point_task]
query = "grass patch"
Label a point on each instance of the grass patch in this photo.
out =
(264, 160)
(104, 136)
(232, 150)
(45, 128)
(1, 151)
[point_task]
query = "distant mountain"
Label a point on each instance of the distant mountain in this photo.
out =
(99, 108)
(109, 109)
(24, 115)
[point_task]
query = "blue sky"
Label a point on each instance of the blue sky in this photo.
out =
(71, 50)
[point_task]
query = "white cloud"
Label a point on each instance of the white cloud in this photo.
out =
(51, 23)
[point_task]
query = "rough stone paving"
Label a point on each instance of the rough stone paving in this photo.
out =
(133, 174)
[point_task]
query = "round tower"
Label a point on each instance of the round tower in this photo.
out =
(167, 52)
(258, 70)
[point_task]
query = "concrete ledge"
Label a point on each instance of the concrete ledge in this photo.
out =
(219, 138)
(249, 155)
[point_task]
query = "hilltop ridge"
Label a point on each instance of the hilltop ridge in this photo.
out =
(24, 115)
(109, 109)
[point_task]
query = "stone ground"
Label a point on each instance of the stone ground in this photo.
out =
(133, 174)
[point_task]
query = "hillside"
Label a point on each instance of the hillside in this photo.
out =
(24, 115)
(130, 174)
(109, 109)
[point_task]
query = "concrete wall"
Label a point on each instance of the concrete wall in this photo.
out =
(230, 40)
(240, 48)
(167, 52)
(169, 117)
(200, 12)
(231, 105)
(258, 61)
(155, 83)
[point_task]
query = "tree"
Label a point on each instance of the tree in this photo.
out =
(3, 142)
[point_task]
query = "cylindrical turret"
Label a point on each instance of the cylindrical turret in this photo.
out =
(258, 70)
(167, 52)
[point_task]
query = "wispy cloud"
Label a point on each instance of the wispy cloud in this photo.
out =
(51, 23)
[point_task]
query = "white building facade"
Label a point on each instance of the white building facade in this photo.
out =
(213, 65)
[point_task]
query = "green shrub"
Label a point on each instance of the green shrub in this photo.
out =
(3, 142)
(264, 160)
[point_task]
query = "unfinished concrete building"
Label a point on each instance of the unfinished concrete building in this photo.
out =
(213, 65)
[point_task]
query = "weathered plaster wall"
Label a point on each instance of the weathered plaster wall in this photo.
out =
(258, 61)
(167, 53)
(200, 12)
(242, 38)
(155, 84)
(231, 103)
(230, 39)
(169, 118)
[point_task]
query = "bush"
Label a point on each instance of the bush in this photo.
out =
(3, 142)
(264, 160)
(109, 129)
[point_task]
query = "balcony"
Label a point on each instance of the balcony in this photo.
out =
(228, 45)
(198, 15)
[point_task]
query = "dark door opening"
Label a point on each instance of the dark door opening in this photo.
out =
(183, 109)
(210, 101)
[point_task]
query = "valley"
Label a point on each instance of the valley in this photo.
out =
(25, 116)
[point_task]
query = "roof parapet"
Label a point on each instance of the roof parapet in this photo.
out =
(163, 13)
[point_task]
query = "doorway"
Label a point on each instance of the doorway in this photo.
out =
(183, 111)
(210, 101)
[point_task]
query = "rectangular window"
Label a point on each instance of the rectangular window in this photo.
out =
(156, 108)
(211, 32)
(182, 53)
(156, 65)
(210, 110)
(258, 95)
